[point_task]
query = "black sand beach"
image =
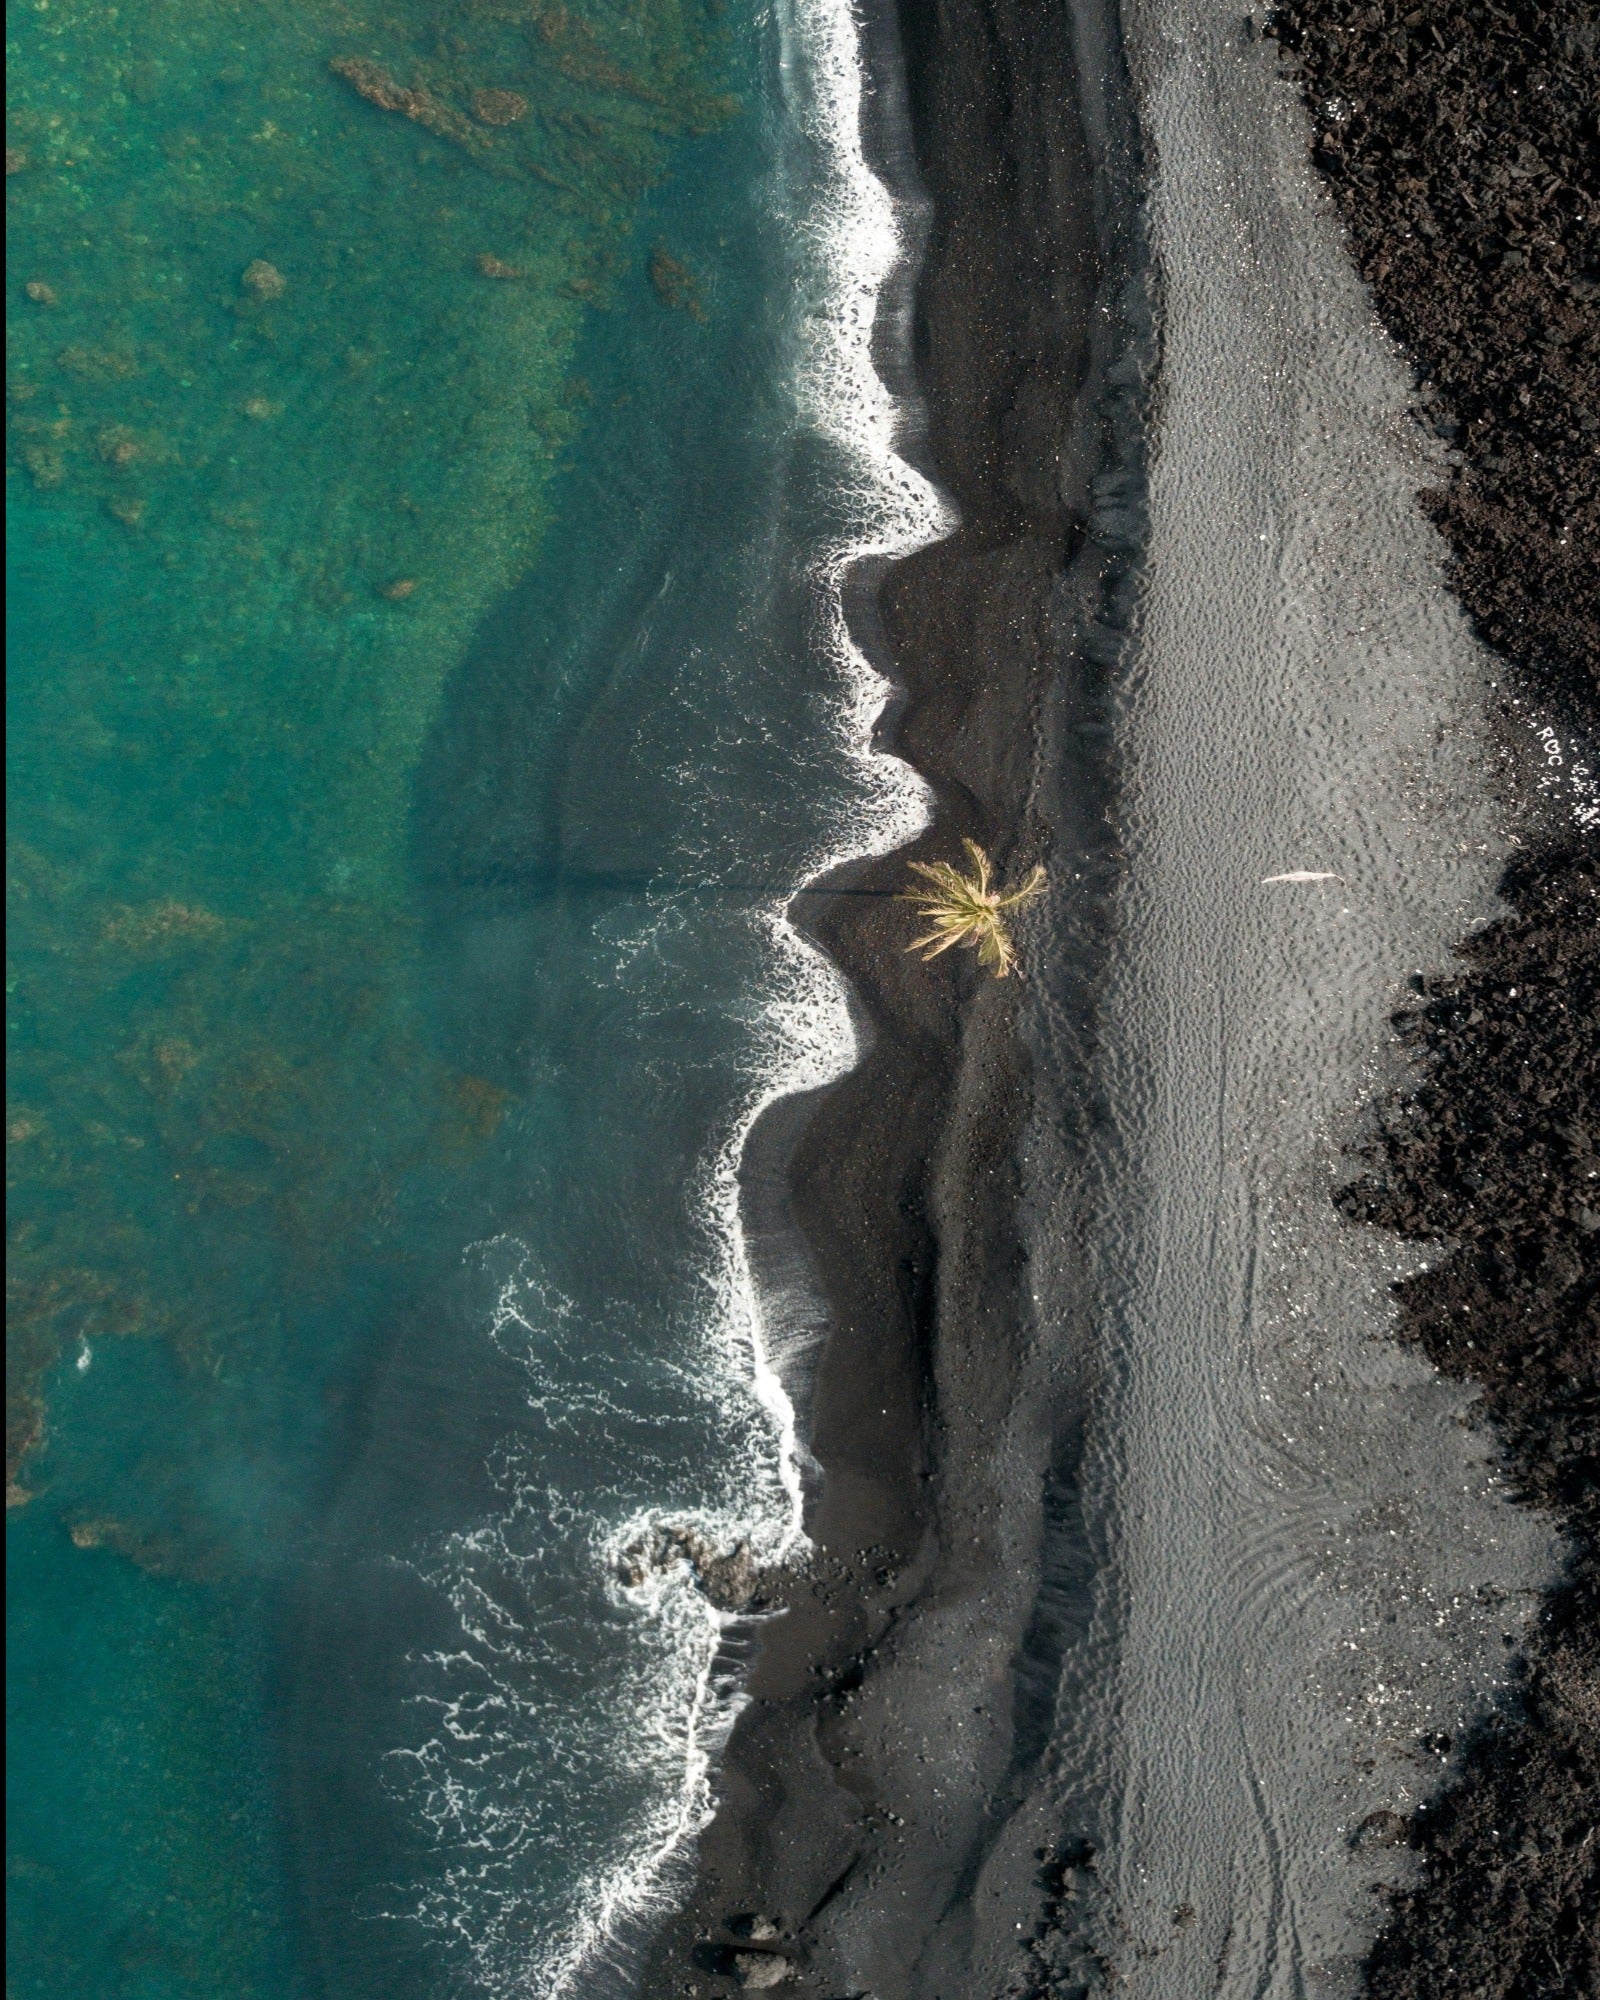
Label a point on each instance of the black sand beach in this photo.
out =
(862, 1807)
(905, 1180)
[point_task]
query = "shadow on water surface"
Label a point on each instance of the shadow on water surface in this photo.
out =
(498, 829)
(635, 763)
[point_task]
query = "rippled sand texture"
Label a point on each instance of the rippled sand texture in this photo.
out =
(1307, 1564)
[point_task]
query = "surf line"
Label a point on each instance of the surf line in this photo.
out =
(851, 236)
(853, 240)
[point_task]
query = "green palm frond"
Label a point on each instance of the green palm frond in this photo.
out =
(968, 909)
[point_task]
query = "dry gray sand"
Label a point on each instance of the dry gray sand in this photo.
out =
(1308, 1566)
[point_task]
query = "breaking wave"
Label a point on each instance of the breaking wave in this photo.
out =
(582, 1703)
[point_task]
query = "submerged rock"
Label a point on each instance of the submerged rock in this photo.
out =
(378, 86)
(498, 107)
(265, 280)
(731, 1579)
(45, 465)
(675, 285)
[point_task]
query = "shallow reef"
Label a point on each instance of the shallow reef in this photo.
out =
(279, 442)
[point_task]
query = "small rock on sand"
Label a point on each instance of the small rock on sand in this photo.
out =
(1379, 1829)
(41, 293)
(756, 1971)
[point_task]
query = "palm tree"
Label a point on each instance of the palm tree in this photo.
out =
(968, 909)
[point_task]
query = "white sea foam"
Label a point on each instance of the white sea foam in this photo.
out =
(854, 232)
(678, 1690)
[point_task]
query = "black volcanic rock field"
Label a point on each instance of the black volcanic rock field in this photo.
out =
(1498, 1150)
(1461, 144)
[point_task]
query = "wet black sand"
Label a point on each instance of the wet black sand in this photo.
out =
(1460, 144)
(904, 1180)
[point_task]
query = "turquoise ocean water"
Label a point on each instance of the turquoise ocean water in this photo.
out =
(436, 435)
